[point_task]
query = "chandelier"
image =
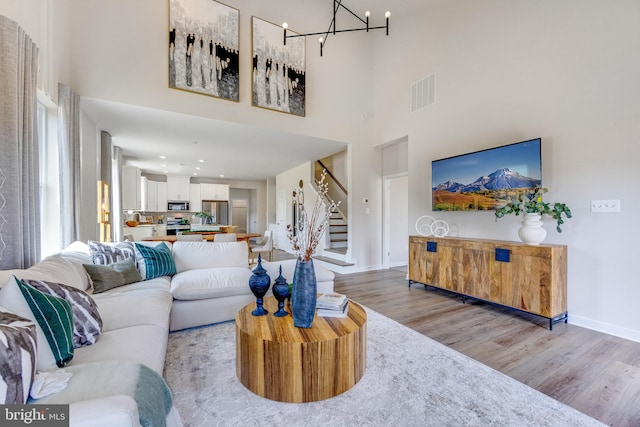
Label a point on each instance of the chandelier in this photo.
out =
(337, 5)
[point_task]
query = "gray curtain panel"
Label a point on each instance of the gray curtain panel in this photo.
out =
(19, 174)
(69, 165)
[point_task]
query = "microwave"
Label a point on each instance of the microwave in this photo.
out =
(178, 206)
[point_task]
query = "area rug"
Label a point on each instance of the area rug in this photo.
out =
(410, 380)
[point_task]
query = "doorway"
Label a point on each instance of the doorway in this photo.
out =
(396, 222)
(239, 214)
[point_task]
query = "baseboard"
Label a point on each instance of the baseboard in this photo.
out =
(606, 328)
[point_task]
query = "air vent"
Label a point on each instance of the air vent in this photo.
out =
(423, 93)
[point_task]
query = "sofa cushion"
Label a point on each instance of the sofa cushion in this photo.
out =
(199, 255)
(53, 317)
(146, 344)
(136, 307)
(17, 358)
(105, 277)
(108, 253)
(154, 261)
(211, 283)
(53, 268)
(87, 323)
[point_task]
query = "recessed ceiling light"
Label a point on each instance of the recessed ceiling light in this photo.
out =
(164, 165)
(221, 175)
(195, 173)
(201, 161)
(166, 171)
(197, 168)
(163, 157)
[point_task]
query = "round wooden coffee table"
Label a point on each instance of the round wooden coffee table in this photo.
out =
(278, 361)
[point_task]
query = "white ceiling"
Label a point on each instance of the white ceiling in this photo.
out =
(238, 152)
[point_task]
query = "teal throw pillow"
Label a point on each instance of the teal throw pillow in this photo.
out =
(155, 261)
(105, 277)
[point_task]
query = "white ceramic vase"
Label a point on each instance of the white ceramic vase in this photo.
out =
(532, 232)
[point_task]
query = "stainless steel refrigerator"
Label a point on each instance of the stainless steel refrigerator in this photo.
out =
(218, 210)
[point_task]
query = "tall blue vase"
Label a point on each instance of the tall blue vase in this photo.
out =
(304, 294)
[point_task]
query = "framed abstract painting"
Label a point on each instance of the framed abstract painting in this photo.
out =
(278, 69)
(204, 48)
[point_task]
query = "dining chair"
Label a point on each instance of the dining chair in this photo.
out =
(265, 244)
(189, 237)
(225, 237)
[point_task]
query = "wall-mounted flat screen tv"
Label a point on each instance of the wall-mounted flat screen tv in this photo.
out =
(487, 179)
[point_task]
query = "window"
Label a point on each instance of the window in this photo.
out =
(48, 179)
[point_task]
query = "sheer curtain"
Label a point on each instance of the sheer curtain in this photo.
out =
(19, 174)
(69, 152)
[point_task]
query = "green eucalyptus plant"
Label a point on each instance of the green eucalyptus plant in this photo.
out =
(205, 216)
(531, 202)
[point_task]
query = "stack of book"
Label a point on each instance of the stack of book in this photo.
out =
(332, 305)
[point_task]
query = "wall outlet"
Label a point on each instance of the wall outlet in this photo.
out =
(605, 206)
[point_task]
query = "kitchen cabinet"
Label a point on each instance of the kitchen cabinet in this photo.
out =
(131, 188)
(178, 188)
(152, 197)
(162, 196)
(195, 198)
(214, 191)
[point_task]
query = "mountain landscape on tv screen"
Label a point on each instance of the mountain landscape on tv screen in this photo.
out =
(485, 193)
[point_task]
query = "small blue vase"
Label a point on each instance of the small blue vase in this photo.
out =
(304, 294)
(280, 291)
(259, 283)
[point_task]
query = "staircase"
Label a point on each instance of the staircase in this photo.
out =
(338, 237)
(337, 243)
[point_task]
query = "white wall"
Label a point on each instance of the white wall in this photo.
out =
(46, 23)
(121, 54)
(508, 71)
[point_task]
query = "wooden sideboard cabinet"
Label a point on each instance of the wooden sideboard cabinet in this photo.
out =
(524, 277)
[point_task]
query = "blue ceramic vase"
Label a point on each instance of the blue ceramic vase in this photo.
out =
(259, 284)
(304, 294)
(280, 291)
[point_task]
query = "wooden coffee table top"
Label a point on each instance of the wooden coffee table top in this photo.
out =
(278, 361)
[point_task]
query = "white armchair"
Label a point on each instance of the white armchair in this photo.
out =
(265, 244)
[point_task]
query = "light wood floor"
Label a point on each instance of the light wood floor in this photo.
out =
(595, 373)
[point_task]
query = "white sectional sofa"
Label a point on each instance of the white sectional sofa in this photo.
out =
(210, 286)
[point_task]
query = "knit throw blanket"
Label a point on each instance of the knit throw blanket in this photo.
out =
(112, 378)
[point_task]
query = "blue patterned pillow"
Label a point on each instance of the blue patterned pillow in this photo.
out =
(155, 261)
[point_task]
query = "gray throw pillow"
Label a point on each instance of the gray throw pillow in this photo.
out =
(105, 277)
(87, 323)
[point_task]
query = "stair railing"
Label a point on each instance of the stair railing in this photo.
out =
(336, 190)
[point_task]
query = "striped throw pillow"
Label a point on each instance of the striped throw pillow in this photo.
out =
(53, 318)
(108, 253)
(87, 323)
(154, 261)
(17, 358)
